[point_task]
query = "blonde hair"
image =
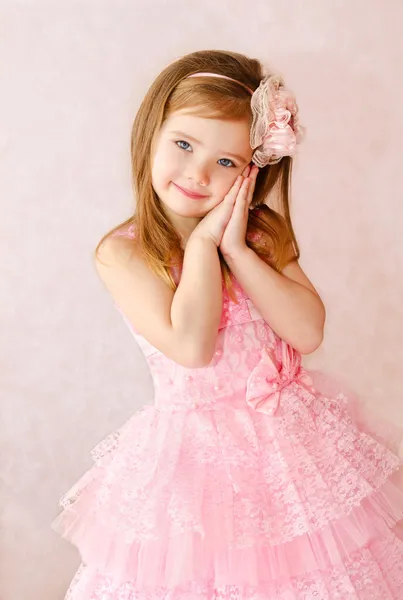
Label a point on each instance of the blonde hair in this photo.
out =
(217, 98)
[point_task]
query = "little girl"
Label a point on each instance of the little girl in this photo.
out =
(249, 478)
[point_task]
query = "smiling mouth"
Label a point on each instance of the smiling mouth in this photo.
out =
(188, 193)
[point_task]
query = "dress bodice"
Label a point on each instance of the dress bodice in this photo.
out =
(245, 343)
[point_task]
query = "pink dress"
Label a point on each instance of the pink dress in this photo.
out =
(248, 479)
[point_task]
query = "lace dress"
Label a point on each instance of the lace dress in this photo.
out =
(248, 479)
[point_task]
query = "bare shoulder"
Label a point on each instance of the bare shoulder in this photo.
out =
(126, 273)
(143, 297)
(115, 249)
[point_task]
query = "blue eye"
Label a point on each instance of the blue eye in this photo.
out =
(232, 165)
(182, 142)
(177, 142)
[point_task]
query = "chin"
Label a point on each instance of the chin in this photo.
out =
(191, 213)
(182, 210)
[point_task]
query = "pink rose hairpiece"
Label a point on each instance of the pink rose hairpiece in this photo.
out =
(275, 131)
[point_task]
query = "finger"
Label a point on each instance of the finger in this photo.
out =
(246, 171)
(252, 177)
(241, 199)
(233, 192)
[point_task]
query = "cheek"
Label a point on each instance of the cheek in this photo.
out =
(166, 164)
(220, 188)
(225, 184)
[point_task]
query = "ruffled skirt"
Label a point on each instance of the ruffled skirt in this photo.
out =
(233, 504)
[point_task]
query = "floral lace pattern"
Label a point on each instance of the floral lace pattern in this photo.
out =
(294, 503)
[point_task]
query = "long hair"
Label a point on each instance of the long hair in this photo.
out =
(217, 98)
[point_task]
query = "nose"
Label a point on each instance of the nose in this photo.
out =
(198, 172)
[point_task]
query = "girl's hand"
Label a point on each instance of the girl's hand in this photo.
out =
(213, 224)
(233, 239)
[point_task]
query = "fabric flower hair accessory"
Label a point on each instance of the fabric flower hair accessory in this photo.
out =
(275, 130)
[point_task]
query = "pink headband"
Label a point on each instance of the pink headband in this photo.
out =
(275, 131)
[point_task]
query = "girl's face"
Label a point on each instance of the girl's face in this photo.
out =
(202, 155)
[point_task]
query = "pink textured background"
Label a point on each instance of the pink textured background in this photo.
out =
(72, 77)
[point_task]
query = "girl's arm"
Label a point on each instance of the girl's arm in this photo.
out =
(197, 304)
(182, 324)
(287, 301)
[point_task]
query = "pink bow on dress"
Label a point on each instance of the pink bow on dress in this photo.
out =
(266, 383)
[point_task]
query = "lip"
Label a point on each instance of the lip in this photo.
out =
(188, 193)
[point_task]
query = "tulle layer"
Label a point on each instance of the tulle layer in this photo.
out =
(234, 496)
(173, 560)
(374, 572)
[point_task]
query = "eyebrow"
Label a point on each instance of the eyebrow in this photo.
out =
(237, 156)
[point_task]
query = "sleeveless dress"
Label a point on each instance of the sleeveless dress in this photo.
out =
(248, 479)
